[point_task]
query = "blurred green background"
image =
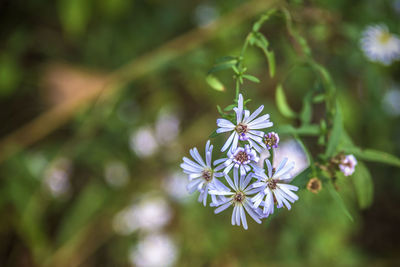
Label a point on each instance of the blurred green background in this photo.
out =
(98, 107)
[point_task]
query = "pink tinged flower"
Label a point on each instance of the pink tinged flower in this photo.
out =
(243, 158)
(271, 140)
(246, 128)
(347, 165)
(273, 187)
(201, 173)
(238, 196)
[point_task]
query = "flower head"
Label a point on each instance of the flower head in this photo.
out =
(238, 196)
(379, 45)
(314, 185)
(246, 127)
(273, 187)
(347, 165)
(201, 174)
(271, 140)
(241, 158)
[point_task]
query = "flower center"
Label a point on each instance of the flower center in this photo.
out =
(384, 37)
(207, 175)
(272, 183)
(241, 128)
(241, 157)
(270, 140)
(239, 197)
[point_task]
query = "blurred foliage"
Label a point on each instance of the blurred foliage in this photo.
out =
(67, 220)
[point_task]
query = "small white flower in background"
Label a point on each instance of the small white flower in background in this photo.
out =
(241, 158)
(391, 101)
(379, 45)
(56, 177)
(347, 165)
(167, 127)
(246, 127)
(116, 174)
(239, 198)
(202, 174)
(175, 186)
(396, 6)
(292, 150)
(143, 142)
(155, 250)
(205, 14)
(150, 214)
(273, 187)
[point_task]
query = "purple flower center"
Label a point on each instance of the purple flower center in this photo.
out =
(272, 183)
(239, 197)
(241, 157)
(271, 140)
(207, 175)
(241, 128)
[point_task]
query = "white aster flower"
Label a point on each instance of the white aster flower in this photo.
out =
(246, 127)
(239, 198)
(155, 250)
(347, 165)
(150, 214)
(202, 174)
(379, 45)
(273, 187)
(242, 158)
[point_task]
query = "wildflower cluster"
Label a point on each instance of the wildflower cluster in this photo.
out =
(237, 180)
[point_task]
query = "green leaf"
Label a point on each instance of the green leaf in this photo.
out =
(220, 110)
(364, 186)
(338, 199)
(282, 103)
(318, 98)
(215, 83)
(302, 178)
(373, 155)
(310, 130)
(74, 15)
(225, 59)
(271, 62)
(257, 25)
(306, 112)
(213, 134)
(230, 107)
(335, 134)
(251, 78)
(222, 66)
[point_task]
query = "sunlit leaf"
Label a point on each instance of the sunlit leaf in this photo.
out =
(282, 103)
(215, 83)
(251, 78)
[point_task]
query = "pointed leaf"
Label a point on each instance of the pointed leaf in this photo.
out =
(364, 186)
(335, 134)
(338, 199)
(282, 103)
(215, 83)
(251, 78)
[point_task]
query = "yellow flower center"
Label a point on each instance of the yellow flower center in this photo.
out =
(384, 37)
